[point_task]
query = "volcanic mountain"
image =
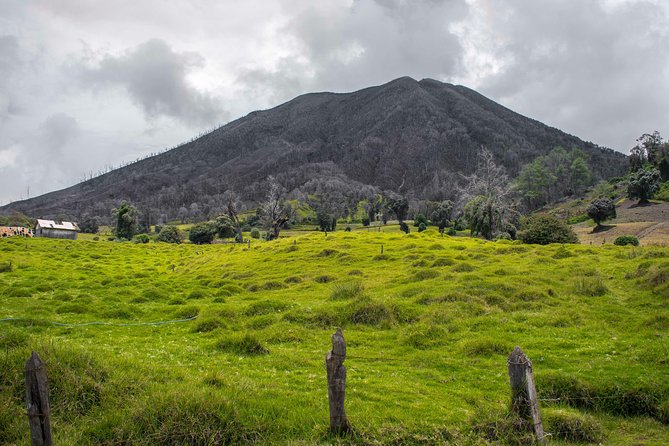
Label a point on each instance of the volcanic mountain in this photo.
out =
(408, 136)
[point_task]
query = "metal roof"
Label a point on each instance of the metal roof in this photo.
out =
(50, 224)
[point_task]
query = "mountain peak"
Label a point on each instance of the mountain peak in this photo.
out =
(414, 135)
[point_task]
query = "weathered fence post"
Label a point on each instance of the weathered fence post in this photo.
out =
(336, 372)
(523, 392)
(37, 402)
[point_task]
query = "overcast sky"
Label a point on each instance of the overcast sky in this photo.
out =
(87, 84)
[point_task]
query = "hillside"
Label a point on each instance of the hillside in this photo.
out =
(429, 325)
(649, 223)
(407, 135)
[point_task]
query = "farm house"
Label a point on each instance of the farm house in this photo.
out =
(51, 229)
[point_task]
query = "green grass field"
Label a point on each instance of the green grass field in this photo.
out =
(429, 324)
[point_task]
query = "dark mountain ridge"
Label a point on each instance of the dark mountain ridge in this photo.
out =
(414, 137)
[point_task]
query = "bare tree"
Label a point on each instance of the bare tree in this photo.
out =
(487, 193)
(275, 212)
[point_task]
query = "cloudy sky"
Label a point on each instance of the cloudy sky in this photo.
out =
(88, 84)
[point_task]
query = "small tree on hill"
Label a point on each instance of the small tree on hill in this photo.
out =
(125, 221)
(202, 233)
(601, 209)
(442, 215)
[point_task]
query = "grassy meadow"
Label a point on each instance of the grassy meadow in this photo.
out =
(429, 323)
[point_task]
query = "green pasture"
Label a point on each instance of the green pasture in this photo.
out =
(429, 324)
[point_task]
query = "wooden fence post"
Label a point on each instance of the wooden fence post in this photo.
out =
(523, 392)
(336, 373)
(37, 401)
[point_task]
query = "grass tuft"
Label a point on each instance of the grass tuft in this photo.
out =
(247, 345)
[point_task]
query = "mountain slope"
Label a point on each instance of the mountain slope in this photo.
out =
(405, 135)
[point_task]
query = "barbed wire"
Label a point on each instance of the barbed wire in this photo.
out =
(112, 324)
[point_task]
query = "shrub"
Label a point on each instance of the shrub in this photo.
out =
(545, 229)
(169, 234)
(452, 231)
(255, 233)
(422, 227)
(365, 221)
(141, 238)
(347, 229)
(404, 227)
(202, 233)
(626, 240)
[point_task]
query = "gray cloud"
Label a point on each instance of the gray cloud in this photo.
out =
(156, 79)
(371, 42)
(597, 70)
(10, 62)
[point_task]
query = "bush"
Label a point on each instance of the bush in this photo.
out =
(545, 229)
(202, 233)
(422, 227)
(141, 238)
(224, 227)
(347, 229)
(452, 231)
(626, 240)
(420, 219)
(404, 227)
(255, 233)
(365, 221)
(169, 234)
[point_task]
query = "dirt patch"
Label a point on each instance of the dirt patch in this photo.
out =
(650, 223)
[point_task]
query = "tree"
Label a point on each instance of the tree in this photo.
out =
(601, 209)
(545, 229)
(643, 184)
(169, 234)
(441, 216)
(225, 227)
(326, 222)
(483, 219)
(125, 221)
(650, 149)
(233, 204)
(397, 204)
(275, 212)
(487, 193)
(202, 233)
(89, 225)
